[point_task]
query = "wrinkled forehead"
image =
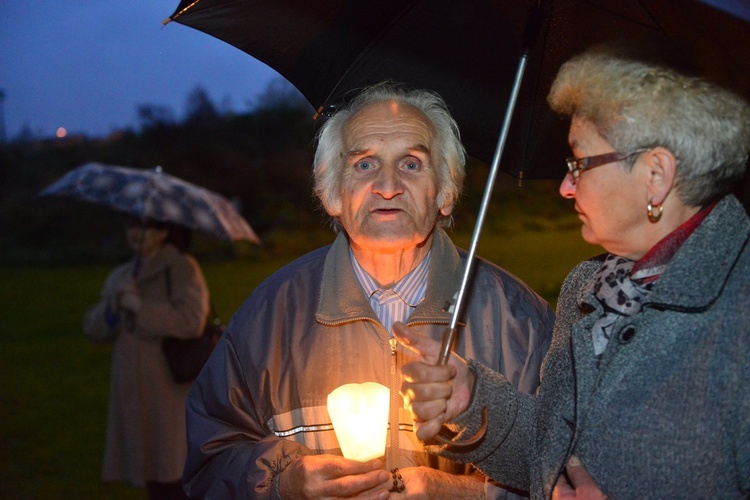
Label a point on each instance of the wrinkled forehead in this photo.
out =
(388, 121)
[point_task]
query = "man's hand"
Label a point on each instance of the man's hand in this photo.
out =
(433, 394)
(581, 485)
(331, 476)
(426, 483)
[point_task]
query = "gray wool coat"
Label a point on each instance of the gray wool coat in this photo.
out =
(666, 414)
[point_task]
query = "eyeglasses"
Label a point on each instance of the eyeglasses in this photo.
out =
(577, 165)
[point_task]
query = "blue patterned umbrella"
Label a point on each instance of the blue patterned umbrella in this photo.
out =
(152, 194)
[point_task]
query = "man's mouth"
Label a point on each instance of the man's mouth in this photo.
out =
(386, 211)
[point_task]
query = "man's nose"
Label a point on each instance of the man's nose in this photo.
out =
(568, 186)
(388, 182)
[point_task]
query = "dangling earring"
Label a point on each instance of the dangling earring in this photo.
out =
(652, 215)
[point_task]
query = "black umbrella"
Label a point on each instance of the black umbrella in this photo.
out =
(468, 51)
(486, 58)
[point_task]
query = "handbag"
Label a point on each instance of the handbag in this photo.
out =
(186, 357)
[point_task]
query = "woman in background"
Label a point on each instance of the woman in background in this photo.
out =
(160, 293)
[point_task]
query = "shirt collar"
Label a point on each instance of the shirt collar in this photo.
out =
(411, 288)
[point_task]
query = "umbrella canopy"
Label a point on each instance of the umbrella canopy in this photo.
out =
(152, 194)
(467, 51)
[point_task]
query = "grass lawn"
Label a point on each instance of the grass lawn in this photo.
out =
(53, 383)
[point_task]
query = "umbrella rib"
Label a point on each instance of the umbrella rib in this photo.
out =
(544, 25)
(178, 14)
(611, 12)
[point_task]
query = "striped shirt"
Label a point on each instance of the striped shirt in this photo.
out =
(397, 303)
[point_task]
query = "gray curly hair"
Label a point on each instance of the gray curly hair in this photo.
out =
(328, 162)
(635, 104)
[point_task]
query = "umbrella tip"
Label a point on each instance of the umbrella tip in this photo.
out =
(175, 15)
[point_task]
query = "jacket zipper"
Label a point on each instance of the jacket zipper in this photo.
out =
(392, 460)
(395, 404)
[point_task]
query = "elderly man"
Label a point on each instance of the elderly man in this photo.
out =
(388, 170)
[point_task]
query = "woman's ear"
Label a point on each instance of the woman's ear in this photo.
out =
(662, 168)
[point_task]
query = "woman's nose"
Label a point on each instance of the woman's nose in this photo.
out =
(568, 186)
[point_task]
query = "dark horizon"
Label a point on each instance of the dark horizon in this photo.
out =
(87, 66)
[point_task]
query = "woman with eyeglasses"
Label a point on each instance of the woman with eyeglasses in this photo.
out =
(645, 390)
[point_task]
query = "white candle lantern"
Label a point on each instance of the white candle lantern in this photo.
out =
(359, 413)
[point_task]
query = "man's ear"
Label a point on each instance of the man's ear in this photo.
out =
(662, 169)
(332, 206)
(446, 209)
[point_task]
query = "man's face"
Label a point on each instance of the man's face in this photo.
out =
(390, 179)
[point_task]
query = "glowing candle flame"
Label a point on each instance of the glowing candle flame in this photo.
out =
(359, 413)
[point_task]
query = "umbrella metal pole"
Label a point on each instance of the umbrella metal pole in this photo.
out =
(445, 351)
(450, 334)
(144, 211)
(138, 261)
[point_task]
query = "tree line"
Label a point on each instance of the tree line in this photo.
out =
(260, 159)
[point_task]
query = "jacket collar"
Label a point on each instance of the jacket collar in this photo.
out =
(342, 299)
(713, 248)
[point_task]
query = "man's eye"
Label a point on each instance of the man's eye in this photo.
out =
(363, 165)
(412, 165)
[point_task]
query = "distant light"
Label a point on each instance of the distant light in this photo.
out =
(61, 132)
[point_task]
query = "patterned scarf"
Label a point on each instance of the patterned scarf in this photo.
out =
(618, 294)
(623, 285)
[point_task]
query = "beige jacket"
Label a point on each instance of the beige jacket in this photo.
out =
(146, 424)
